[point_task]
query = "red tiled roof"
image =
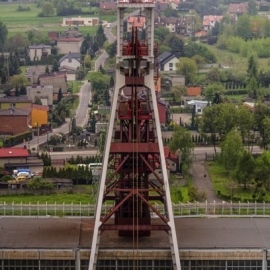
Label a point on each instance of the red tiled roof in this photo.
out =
(194, 91)
(107, 5)
(168, 154)
(13, 152)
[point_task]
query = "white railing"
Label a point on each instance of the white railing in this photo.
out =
(179, 209)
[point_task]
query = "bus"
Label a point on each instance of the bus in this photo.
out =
(96, 170)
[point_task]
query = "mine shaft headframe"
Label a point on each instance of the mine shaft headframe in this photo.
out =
(146, 47)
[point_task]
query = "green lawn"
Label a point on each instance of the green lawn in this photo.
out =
(235, 61)
(220, 180)
(58, 198)
(22, 21)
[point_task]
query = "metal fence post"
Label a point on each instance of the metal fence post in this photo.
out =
(4, 208)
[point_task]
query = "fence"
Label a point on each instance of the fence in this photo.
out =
(180, 209)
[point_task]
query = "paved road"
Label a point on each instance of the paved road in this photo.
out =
(80, 115)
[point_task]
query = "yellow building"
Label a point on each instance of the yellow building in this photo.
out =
(15, 102)
(39, 115)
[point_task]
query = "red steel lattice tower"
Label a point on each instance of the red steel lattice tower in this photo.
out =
(134, 149)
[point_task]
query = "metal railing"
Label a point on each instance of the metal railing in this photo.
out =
(179, 209)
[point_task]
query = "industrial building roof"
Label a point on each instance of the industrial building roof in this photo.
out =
(192, 233)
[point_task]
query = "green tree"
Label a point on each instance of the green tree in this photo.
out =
(245, 125)
(211, 90)
(209, 123)
(161, 33)
(55, 66)
(244, 170)
(47, 71)
(37, 101)
(188, 68)
(182, 143)
(262, 169)
(213, 75)
(18, 81)
(244, 27)
(87, 61)
(3, 35)
(59, 95)
(253, 87)
(47, 9)
(252, 9)
(178, 92)
(100, 36)
(227, 120)
(231, 150)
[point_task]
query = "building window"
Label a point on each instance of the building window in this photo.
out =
(70, 60)
(170, 64)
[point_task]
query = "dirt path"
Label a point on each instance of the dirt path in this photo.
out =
(202, 181)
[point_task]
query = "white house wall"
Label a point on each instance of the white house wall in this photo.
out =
(71, 77)
(171, 65)
(70, 62)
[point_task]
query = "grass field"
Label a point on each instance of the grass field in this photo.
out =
(220, 180)
(236, 62)
(22, 21)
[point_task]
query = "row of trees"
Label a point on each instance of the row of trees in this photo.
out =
(220, 119)
(76, 174)
(243, 169)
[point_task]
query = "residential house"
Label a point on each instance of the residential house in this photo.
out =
(171, 164)
(107, 6)
(43, 92)
(177, 79)
(38, 51)
(16, 158)
(198, 104)
(53, 35)
(72, 60)
(66, 45)
(183, 25)
(168, 61)
(70, 73)
(72, 32)
(14, 155)
(200, 34)
(209, 21)
(33, 72)
(249, 105)
(136, 21)
(192, 93)
(15, 121)
(172, 160)
(39, 115)
(57, 80)
(14, 102)
(237, 9)
(174, 4)
(80, 21)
